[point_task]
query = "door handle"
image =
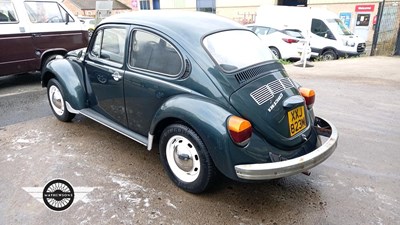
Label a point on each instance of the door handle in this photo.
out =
(36, 35)
(116, 76)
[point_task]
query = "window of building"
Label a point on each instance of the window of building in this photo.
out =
(206, 6)
(151, 52)
(46, 12)
(7, 13)
(109, 45)
(144, 4)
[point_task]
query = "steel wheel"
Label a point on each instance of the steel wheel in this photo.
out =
(55, 94)
(56, 100)
(185, 159)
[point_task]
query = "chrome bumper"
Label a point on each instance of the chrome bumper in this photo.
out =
(266, 171)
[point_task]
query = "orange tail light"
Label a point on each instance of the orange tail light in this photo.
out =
(240, 130)
(308, 95)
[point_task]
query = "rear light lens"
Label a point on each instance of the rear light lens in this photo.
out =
(240, 130)
(308, 95)
(290, 40)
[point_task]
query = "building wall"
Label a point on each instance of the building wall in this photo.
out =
(73, 8)
(317, 2)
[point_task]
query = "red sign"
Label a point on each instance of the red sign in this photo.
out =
(365, 8)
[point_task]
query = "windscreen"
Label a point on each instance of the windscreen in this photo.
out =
(340, 26)
(237, 49)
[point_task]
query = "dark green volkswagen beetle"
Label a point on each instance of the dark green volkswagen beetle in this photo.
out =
(204, 87)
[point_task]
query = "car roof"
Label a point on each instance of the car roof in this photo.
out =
(190, 26)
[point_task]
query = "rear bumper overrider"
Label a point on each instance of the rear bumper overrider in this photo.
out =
(266, 171)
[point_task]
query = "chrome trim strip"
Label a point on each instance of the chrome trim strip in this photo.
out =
(70, 109)
(150, 141)
(266, 171)
(124, 131)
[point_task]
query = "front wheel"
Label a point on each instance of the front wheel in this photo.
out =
(186, 159)
(55, 94)
(329, 55)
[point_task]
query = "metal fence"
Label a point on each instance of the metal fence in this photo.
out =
(386, 39)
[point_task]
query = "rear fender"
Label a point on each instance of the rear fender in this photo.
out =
(206, 118)
(70, 75)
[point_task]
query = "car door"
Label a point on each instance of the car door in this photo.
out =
(154, 71)
(105, 71)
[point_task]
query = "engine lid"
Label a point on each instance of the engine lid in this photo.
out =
(275, 109)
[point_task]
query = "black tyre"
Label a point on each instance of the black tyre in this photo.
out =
(55, 94)
(276, 52)
(186, 159)
(329, 55)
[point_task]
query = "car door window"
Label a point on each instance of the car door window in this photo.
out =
(319, 28)
(151, 52)
(109, 45)
(46, 12)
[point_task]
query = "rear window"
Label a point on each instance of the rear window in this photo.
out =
(7, 13)
(236, 49)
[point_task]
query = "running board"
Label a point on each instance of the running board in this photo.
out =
(90, 113)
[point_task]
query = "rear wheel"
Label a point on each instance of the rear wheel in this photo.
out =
(276, 52)
(55, 94)
(186, 159)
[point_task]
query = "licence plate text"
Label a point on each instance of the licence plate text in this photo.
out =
(297, 120)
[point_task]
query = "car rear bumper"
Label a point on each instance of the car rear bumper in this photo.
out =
(266, 171)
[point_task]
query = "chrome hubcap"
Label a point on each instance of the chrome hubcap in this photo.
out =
(56, 100)
(183, 158)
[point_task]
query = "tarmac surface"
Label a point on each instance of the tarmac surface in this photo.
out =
(123, 183)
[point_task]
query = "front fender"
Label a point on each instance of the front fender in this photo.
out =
(208, 120)
(70, 75)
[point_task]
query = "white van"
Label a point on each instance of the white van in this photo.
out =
(32, 32)
(328, 36)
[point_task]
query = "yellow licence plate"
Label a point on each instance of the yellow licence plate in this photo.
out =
(297, 120)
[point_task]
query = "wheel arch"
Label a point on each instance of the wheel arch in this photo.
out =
(206, 118)
(69, 75)
(50, 52)
(329, 48)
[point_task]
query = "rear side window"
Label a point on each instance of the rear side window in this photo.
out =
(46, 12)
(151, 52)
(7, 13)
